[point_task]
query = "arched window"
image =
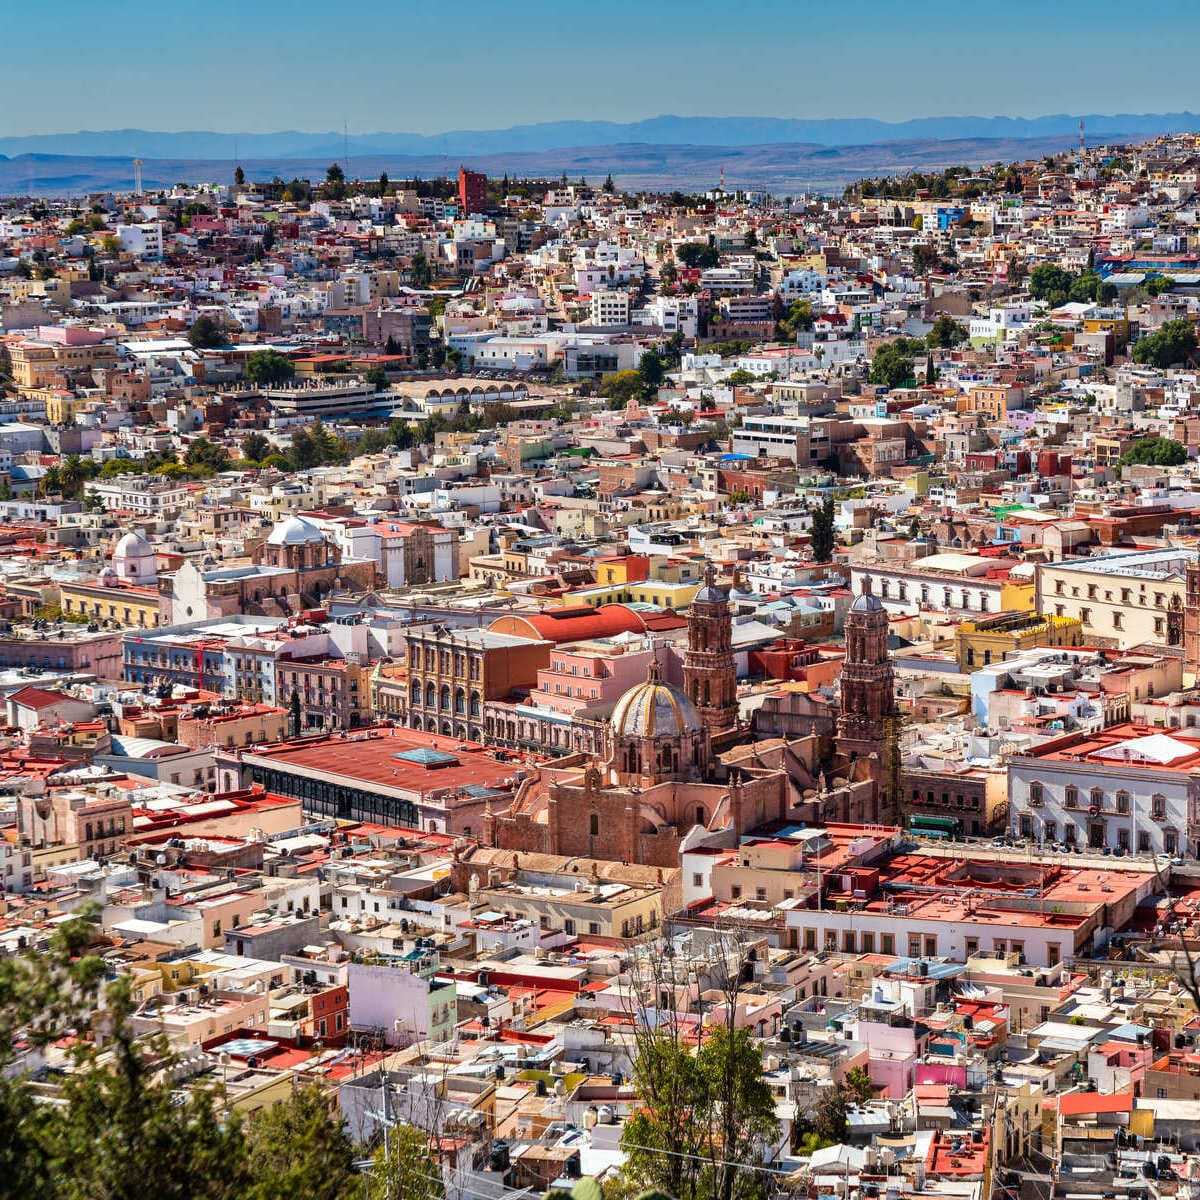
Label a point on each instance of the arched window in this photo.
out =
(700, 814)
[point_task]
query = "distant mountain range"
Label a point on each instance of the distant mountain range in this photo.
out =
(779, 168)
(559, 135)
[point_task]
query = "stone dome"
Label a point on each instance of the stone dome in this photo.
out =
(133, 545)
(654, 709)
(710, 593)
(866, 603)
(295, 531)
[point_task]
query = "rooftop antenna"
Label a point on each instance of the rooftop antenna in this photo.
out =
(1081, 141)
(137, 176)
(346, 149)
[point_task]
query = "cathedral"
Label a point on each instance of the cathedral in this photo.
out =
(676, 766)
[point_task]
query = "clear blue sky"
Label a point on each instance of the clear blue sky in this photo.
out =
(427, 66)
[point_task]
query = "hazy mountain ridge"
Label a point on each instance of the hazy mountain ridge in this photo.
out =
(774, 167)
(559, 135)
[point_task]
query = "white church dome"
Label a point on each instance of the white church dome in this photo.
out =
(295, 531)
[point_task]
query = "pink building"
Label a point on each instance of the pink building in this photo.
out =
(585, 679)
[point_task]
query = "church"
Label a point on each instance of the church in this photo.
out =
(295, 568)
(677, 769)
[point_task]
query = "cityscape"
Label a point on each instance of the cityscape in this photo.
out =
(568, 661)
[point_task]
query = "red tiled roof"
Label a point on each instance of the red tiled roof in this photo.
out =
(34, 697)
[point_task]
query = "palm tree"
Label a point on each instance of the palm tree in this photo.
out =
(71, 475)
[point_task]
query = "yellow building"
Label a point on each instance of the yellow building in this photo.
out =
(128, 604)
(60, 406)
(981, 643)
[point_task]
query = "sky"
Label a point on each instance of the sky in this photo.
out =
(428, 66)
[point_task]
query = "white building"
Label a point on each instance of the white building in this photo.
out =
(609, 308)
(1121, 789)
(400, 997)
(142, 241)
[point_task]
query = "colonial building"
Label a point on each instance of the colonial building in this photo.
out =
(448, 675)
(295, 569)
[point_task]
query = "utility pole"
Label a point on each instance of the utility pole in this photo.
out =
(387, 1148)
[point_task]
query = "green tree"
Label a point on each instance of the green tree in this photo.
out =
(698, 255)
(1050, 283)
(269, 368)
(823, 535)
(830, 1116)
(122, 1124)
(946, 333)
(71, 475)
(420, 273)
(335, 181)
(255, 447)
(652, 370)
(621, 387)
(1158, 284)
(384, 183)
(740, 377)
(858, 1084)
(892, 365)
(206, 334)
(799, 316)
(377, 378)
(1172, 344)
(299, 1147)
(203, 453)
(405, 1169)
(239, 176)
(609, 186)
(705, 1119)
(1155, 452)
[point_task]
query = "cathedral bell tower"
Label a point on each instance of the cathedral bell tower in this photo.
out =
(868, 688)
(709, 673)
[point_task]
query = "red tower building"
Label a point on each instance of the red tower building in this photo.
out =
(472, 192)
(868, 688)
(709, 672)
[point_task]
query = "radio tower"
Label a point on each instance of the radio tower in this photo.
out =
(137, 176)
(1081, 143)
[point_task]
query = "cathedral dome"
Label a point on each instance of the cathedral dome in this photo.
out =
(295, 531)
(866, 603)
(654, 709)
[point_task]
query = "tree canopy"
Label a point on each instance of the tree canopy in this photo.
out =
(269, 368)
(1155, 452)
(206, 334)
(1169, 346)
(892, 365)
(946, 333)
